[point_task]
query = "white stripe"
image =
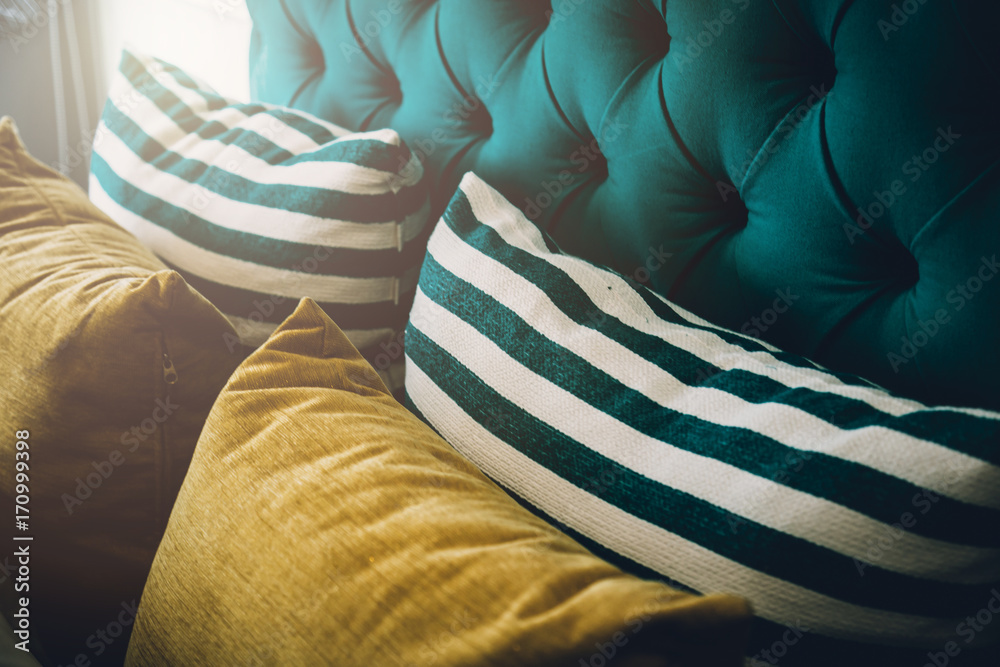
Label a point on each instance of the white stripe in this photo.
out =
(130, 102)
(925, 464)
(318, 173)
(284, 136)
(293, 141)
(621, 302)
(247, 275)
(674, 557)
(759, 499)
(255, 219)
(153, 66)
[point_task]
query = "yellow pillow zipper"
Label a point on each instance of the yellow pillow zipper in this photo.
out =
(169, 372)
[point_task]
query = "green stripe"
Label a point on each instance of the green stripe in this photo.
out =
(143, 80)
(213, 101)
(773, 552)
(968, 434)
(871, 492)
(317, 202)
(248, 247)
(810, 649)
(354, 149)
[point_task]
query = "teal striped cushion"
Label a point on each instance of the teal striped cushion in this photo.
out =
(862, 526)
(258, 206)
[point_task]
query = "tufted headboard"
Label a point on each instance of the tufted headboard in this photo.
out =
(819, 173)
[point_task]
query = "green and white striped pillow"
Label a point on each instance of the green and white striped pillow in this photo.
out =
(863, 527)
(258, 206)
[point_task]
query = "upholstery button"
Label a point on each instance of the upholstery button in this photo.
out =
(470, 114)
(911, 270)
(482, 121)
(599, 169)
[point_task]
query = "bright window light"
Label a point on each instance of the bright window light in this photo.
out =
(208, 38)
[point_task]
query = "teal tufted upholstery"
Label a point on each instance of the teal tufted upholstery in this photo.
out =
(819, 173)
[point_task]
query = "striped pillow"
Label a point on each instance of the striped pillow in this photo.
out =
(863, 527)
(258, 206)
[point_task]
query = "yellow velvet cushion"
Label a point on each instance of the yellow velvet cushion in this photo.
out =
(86, 316)
(322, 523)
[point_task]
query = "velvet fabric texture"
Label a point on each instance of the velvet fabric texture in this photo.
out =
(723, 152)
(111, 363)
(322, 523)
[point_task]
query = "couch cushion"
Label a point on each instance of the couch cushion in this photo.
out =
(322, 523)
(717, 150)
(701, 455)
(111, 363)
(257, 205)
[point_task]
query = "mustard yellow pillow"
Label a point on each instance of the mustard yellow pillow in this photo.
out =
(322, 523)
(110, 366)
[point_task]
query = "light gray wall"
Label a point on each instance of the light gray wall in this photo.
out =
(208, 38)
(27, 92)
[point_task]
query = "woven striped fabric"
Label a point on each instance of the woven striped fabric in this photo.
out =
(863, 527)
(258, 206)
